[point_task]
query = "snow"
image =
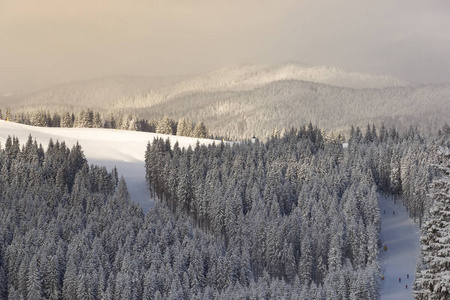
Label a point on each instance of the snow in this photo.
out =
(401, 236)
(245, 77)
(104, 147)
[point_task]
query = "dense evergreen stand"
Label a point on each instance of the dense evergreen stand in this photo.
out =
(294, 217)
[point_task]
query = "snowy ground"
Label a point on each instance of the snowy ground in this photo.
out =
(401, 236)
(103, 147)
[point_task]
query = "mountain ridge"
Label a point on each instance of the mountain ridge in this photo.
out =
(243, 100)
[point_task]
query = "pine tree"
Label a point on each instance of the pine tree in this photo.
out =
(335, 253)
(35, 281)
(290, 266)
(372, 245)
(80, 120)
(66, 120)
(164, 126)
(433, 279)
(395, 175)
(89, 118)
(97, 122)
(56, 120)
(182, 129)
(134, 124)
(305, 265)
(48, 120)
(112, 122)
(39, 118)
(3, 283)
(189, 131)
(200, 131)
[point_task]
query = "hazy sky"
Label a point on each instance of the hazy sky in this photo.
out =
(43, 42)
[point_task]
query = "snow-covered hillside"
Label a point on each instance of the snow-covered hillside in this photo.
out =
(103, 147)
(101, 94)
(400, 235)
(248, 77)
(252, 100)
(138, 91)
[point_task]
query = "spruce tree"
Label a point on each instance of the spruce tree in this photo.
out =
(433, 277)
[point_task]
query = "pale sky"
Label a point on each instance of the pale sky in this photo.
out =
(45, 42)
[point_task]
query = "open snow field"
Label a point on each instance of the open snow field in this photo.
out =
(104, 147)
(401, 236)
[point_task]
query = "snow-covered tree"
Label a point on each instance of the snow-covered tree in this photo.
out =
(97, 122)
(165, 126)
(66, 120)
(433, 274)
(200, 130)
(182, 128)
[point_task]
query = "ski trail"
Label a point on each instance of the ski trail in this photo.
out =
(401, 236)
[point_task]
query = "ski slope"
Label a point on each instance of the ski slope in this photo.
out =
(401, 236)
(104, 147)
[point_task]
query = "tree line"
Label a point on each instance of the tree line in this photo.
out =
(92, 119)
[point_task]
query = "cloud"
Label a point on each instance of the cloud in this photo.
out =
(50, 41)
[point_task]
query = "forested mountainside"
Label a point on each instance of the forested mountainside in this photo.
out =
(244, 101)
(295, 217)
(101, 94)
(300, 208)
(433, 271)
(290, 103)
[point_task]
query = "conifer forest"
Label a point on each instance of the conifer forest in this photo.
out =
(295, 216)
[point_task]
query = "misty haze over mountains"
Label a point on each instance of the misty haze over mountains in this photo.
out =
(245, 100)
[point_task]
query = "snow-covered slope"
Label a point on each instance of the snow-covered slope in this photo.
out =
(101, 94)
(138, 91)
(248, 77)
(400, 235)
(242, 101)
(103, 147)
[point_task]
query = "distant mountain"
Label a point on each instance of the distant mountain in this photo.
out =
(102, 94)
(283, 104)
(247, 77)
(246, 100)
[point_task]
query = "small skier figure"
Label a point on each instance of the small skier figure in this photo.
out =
(393, 213)
(399, 279)
(406, 286)
(407, 276)
(384, 212)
